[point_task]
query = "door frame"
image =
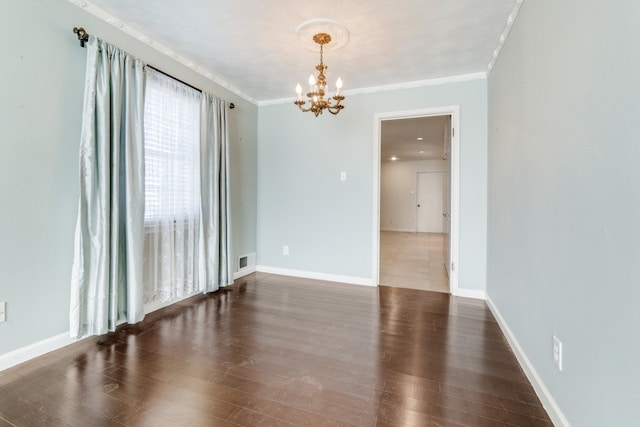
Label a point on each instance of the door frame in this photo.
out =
(378, 118)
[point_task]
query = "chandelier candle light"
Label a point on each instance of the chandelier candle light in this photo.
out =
(318, 86)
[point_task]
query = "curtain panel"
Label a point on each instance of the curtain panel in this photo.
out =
(106, 282)
(124, 257)
(215, 218)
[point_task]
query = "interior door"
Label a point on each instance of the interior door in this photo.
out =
(430, 202)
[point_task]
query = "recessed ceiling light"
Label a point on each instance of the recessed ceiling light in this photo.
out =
(421, 151)
(394, 158)
(420, 139)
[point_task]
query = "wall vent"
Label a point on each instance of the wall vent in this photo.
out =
(247, 261)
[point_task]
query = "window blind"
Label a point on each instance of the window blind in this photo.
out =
(171, 133)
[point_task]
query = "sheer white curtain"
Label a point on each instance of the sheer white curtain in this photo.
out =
(172, 194)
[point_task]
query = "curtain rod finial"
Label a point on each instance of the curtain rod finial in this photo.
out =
(83, 36)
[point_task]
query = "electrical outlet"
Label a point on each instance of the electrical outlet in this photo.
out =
(285, 250)
(557, 352)
(343, 176)
(3, 311)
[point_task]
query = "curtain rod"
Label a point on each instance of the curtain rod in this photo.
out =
(174, 78)
(83, 37)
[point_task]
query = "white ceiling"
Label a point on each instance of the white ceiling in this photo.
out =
(400, 138)
(250, 46)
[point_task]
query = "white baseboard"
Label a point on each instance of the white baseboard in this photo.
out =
(34, 350)
(48, 345)
(318, 276)
(399, 230)
(549, 403)
(469, 293)
(244, 272)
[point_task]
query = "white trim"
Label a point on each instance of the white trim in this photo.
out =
(139, 35)
(34, 350)
(469, 293)
(244, 272)
(378, 118)
(154, 44)
(419, 83)
(48, 345)
(505, 33)
(317, 276)
(549, 403)
(454, 201)
(395, 86)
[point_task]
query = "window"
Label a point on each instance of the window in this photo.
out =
(172, 190)
(171, 134)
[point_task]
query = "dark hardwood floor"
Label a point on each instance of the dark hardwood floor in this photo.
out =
(273, 350)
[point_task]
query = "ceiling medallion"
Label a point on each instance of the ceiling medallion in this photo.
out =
(318, 87)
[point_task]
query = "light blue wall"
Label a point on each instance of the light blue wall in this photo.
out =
(564, 201)
(327, 224)
(42, 78)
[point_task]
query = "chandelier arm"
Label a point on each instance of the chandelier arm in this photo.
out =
(335, 109)
(300, 103)
(317, 101)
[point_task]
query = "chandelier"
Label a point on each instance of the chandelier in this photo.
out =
(318, 87)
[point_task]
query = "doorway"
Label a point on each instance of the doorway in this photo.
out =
(425, 217)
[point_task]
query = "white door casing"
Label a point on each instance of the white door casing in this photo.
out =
(446, 214)
(454, 112)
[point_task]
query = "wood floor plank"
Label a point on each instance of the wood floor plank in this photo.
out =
(284, 351)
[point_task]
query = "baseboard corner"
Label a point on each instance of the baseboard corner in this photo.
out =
(469, 293)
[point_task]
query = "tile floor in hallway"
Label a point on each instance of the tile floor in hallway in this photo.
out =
(413, 260)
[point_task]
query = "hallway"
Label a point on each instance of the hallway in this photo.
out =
(413, 260)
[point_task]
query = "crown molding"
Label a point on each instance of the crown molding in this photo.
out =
(505, 33)
(189, 63)
(396, 86)
(143, 38)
